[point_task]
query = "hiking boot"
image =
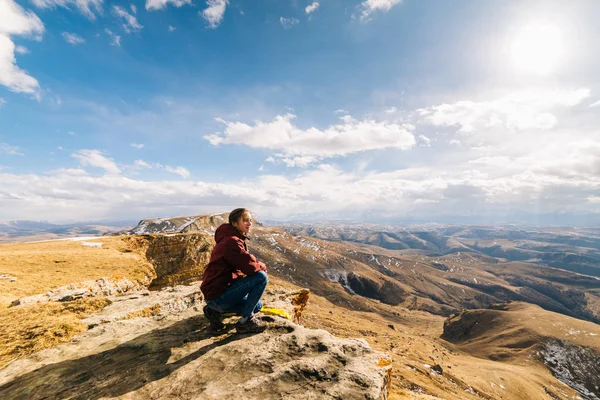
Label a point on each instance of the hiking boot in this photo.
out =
(215, 319)
(252, 325)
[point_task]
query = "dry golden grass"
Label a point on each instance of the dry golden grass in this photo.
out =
(28, 329)
(43, 266)
(40, 267)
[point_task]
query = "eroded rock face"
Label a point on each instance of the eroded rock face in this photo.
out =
(388, 292)
(576, 366)
(177, 258)
(171, 355)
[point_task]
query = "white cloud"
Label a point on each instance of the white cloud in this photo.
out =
(214, 13)
(11, 76)
(171, 28)
(115, 40)
(160, 4)
(595, 104)
(341, 111)
(178, 171)
(488, 187)
(72, 38)
(14, 20)
(370, 6)
(559, 171)
(68, 171)
(181, 171)
(137, 145)
(524, 110)
(133, 8)
(21, 50)
(5, 148)
(557, 177)
(2, 102)
(141, 164)
(130, 23)
(95, 158)
(71, 133)
(351, 136)
(302, 161)
(86, 7)
(312, 7)
(287, 23)
(425, 141)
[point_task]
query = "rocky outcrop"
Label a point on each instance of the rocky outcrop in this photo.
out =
(144, 303)
(190, 224)
(176, 258)
(386, 292)
(171, 355)
(576, 366)
(6, 277)
(110, 286)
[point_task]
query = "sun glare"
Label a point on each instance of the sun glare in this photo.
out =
(538, 48)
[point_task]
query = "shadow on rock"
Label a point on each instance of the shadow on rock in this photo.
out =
(117, 371)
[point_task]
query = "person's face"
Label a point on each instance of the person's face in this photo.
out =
(244, 224)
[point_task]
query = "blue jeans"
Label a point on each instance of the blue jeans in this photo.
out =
(243, 296)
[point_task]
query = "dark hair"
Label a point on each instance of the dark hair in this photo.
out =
(236, 214)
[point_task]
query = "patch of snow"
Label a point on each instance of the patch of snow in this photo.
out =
(81, 238)
(188, 224)
(73, 239)
(88, 244)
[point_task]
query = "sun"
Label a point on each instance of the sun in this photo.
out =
(537, 48)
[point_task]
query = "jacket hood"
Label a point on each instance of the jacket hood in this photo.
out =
(227, 230)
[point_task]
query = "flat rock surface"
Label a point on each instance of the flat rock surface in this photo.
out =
(172, 355)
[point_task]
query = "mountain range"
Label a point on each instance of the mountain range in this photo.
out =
(489, 312)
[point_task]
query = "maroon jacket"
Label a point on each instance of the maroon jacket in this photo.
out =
(229, 261)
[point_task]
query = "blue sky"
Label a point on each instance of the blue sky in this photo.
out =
(417, 109)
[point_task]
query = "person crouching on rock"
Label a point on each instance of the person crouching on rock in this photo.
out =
(234, 280)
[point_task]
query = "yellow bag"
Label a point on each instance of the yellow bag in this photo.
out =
(266, 311)
(275, 311)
